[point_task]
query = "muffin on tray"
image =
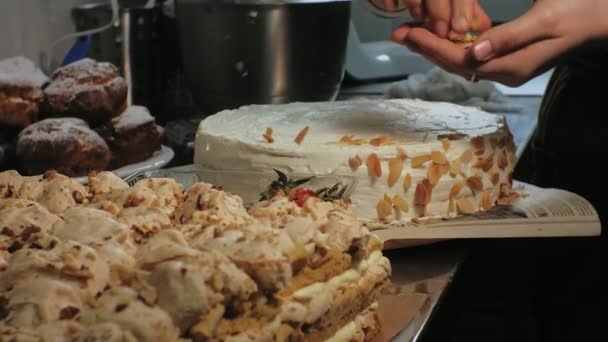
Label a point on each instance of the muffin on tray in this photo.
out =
(86, 89)
(20, 91)
(66, 145)
(132, 137)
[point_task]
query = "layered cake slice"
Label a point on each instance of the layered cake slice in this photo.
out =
(411, 158)
(202, 268)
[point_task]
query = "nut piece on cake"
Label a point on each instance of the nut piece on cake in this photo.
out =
(87, 89)
(20, 91)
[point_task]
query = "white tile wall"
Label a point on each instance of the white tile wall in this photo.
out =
(27, 27)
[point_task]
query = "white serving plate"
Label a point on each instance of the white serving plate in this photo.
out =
(155, 162)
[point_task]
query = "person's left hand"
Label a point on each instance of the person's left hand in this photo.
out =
(517, 51)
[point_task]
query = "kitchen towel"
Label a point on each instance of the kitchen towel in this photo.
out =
(439, 85)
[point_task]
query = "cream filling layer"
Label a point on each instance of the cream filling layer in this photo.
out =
(309, 303)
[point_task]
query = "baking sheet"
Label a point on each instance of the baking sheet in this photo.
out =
(397, 312)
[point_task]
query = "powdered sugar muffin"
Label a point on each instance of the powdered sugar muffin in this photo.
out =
(66, 145)
(87, 89)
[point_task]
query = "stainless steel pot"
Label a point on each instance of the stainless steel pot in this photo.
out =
(239, 52)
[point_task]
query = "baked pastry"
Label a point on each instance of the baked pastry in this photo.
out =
(411, 159)
(20, 91)
(132, 137)
(86, 89)
(217, 272)
(66, 145)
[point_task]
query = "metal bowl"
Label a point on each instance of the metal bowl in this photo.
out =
(262, 52)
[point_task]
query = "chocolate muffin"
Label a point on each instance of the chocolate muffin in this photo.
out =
(132, 137)
(66, 145)
(87, 89)
(20, 91)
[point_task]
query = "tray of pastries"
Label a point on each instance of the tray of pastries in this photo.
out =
(74, 121)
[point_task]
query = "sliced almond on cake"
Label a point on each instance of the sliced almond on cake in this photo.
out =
(464, 206)
(395, 167)
(374, 169)
(381, 140)
(422, 196)
(407, 181)
(418, 161)
(355, 162)
(484, 163)
(455, 167)
(486, 199)
(268, 135)
(456, 189)
(300, 137)
(494, 177)
(384, 209)
(400, 203)
(466, 156)
(503, 162)
(478, 143)
(401, 153)
(434, 173)
(445, 142)
(438, 157)
(475, 183)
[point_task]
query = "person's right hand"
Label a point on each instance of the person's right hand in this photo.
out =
(450, 16)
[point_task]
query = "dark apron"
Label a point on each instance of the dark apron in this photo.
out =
(569, 150)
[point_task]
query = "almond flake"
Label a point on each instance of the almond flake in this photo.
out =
(464, 206)
(484, 163)
(300, 137)
(455, 167)
(434, 173)
(384, 209)
(418, 161)
(475, 183)
(350, 140)
(355, 162)
(388, 199)
(373, 166)
(486, 199)
(422, 196)
(401, 153)
(401, 203)
(445, 142)
(494, 177)
(444, 168)
(395, 167)
(478, 143)
(268, 135)
(466, 156)
(380, 140)
(425, 137)
(438, 157)
(503, 162)
(407, 181)
(456, 189)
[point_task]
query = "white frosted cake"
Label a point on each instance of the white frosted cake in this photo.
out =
(411, 158)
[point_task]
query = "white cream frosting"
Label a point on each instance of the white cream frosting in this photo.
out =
(233, 140)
